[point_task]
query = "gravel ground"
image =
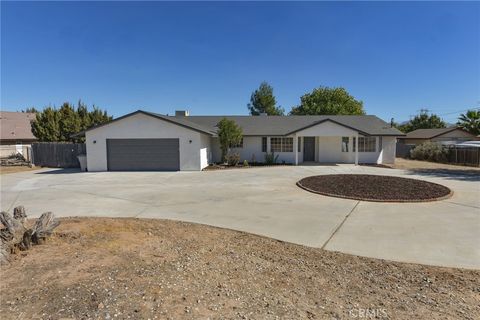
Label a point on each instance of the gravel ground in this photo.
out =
(98, 268)
(374, 187)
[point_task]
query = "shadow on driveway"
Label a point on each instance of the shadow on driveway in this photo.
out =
(61, 171)
(450, 174)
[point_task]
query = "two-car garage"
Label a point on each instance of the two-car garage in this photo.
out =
(143, 154)
(143, 141)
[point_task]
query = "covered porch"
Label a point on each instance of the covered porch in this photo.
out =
(331, 142)
(327, 149)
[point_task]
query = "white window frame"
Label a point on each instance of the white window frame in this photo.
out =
(345, 143)
(281, 144)
(364, 142)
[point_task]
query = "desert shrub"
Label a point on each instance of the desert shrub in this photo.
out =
(233, 158)
(429, 151)
(271, 158)
(245, 163)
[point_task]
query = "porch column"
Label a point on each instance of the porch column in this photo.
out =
(295, 148)
(356, 149)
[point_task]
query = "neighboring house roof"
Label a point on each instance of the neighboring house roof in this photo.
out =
(275, 125)
(16, 125)
(430, 133)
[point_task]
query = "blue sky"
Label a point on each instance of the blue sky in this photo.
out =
(209, 57)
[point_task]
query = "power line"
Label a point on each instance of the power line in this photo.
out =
(444, 114)
(447, 113)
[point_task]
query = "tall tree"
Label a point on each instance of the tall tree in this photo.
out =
(262, 100)
(69, 122)
(470, 121)
(30, 110)
(229, 133)
(53, 124)
(330, 101)
(97, 116)
(83, 115)
(46, 125)
(423, 120)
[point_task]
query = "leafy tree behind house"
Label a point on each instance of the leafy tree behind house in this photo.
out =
(470, 121)
(329, 101)
(423, 120)
(229, 133)
(52, 124)
(262, 100)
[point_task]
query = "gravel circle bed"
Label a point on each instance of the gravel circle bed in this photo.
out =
(375, 188)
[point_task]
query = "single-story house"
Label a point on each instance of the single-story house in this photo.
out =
(451, 135)
(149, 141)
(16, 132)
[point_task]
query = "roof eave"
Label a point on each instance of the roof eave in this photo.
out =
(81, 133)
(325, 120)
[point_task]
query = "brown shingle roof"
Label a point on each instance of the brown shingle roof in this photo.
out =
(285, 125)
(273, 125)
(16, 125)
(429, 133)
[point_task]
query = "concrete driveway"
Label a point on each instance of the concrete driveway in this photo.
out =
(267, 202)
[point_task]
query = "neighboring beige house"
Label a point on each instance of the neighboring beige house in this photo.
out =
(453, 134)
(16, 132)
(148, 141)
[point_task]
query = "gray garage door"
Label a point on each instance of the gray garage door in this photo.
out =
(143, 154)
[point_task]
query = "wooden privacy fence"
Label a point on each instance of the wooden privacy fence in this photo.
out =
(57, 154)
(464, 156)
(403, 150)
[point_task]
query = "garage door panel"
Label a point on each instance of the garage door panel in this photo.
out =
(143, 154)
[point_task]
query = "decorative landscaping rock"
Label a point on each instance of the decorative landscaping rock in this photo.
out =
(375, 188)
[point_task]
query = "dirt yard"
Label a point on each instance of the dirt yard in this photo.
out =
(408, 164)
(15, 169)
(155, 269)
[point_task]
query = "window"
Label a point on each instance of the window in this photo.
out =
(281, 144)
(365, 144)
(370, 144)
(264, 144)
(299, 143)
(275, 144)
(287, 144)
(345, 141)
(239, 145)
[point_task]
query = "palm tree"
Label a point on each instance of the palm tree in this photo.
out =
(470, 121)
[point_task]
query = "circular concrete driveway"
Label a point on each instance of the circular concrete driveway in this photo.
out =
(266, 201)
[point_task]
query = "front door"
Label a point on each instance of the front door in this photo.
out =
(309, 149)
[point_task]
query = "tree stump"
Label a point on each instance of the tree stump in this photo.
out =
(15, 236)
(44, 227)
(19, 214)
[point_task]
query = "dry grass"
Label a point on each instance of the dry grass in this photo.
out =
(96, 268)
(15, 169)
(408, 164)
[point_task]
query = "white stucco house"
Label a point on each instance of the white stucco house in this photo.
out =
(148, 141)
